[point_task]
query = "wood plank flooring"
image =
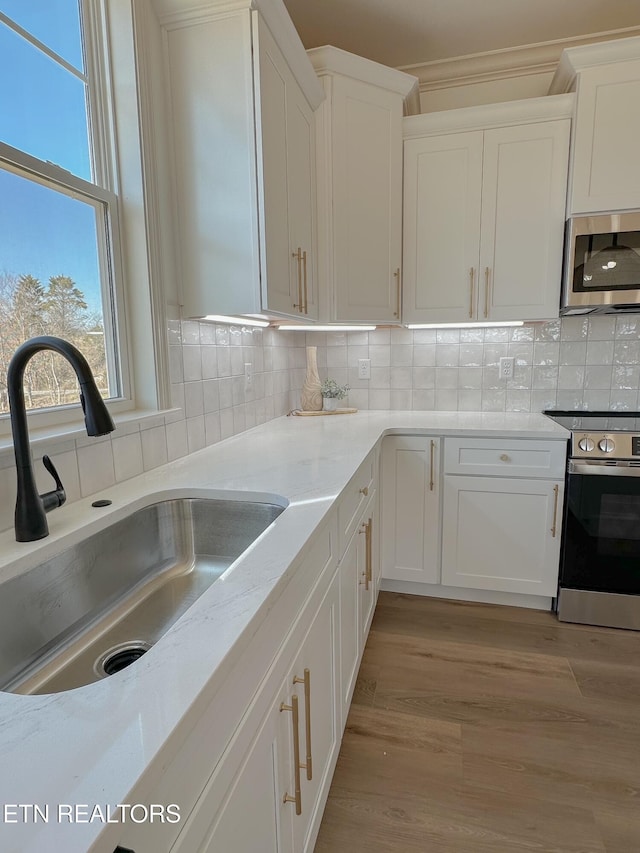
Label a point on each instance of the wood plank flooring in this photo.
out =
(484, 729)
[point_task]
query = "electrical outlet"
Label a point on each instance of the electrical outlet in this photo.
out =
(364, 368)
(248, 376)
(506, 367)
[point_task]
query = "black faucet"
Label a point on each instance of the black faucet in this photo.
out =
(31, 508)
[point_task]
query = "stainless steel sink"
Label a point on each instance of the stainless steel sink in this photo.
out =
(100, 605)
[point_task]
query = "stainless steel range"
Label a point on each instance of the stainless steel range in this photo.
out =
(600, 552)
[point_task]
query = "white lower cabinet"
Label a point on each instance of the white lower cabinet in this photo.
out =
(268, 792)
(501, 534)
(411, 508)
(482, 514)
(359, 584)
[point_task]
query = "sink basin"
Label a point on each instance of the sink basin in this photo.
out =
(100, 605)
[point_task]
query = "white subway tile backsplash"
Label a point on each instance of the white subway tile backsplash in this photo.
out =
(447, 336)
(424, 355)
(599, 352)
(95, 466)
(574, 328)
(127, 456)
(195, 433)
(574, 363)
(192, 363)
(447, 355)
(154, 448)
(401, 355)
(177, 440)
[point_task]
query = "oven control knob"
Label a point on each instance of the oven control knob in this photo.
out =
(586, 444)
(606, 445)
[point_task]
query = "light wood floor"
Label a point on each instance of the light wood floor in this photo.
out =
(482, 729)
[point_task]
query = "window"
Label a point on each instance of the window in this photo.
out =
(58, 216)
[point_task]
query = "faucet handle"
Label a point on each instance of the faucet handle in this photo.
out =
(55, 498)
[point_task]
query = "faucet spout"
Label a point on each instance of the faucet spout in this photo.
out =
(31, 507)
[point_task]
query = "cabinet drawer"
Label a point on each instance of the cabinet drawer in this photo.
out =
(353, 500)
(505, 458)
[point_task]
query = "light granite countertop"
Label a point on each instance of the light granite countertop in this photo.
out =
(92, 744)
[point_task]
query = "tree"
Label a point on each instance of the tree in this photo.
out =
(64, 307)
(27, 309)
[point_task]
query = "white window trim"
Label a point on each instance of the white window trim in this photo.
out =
(125, 104)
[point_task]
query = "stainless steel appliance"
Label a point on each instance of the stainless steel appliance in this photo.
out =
(602, 264)
(599, 580)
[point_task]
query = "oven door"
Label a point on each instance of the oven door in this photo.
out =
(601, 540)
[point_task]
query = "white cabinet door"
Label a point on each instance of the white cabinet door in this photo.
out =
(256, 800)
(314, 680)
(410, 508)
(359, 574)
(442, 201)
(242, 808)
(301, 164)
(484, 223)
(367, 588)
(352, 573)
(286, 179)
(244, 154)
(366, 150)
(523, 203)
(501, 534)
(279, 273)
(606, 167)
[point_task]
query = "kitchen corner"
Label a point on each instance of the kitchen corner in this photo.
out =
(106, 742)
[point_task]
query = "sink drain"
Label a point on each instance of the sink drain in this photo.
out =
(120, 656)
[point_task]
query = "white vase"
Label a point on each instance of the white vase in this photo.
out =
(311, 398)
(329, 404)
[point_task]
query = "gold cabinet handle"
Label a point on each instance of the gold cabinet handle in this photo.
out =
(298, 256)
(472, 273)
(308, 765)
(297, 798)
(505, 458)
(369, 560)
(364, 491)
(304, 280)
(364, 528)
(486, 291)
(396, 275)
(432, 450)
(555, 511)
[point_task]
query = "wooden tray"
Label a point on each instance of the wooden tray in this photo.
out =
(302, 414)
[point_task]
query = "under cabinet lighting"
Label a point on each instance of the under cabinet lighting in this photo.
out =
(464, 325)
(285, 328)
(235, 321)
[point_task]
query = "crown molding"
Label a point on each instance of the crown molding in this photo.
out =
(333, 60)
(542, 58)
(576, 59)
(525, 111)
(174, 14)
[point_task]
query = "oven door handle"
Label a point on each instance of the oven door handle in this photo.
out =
(604, 468)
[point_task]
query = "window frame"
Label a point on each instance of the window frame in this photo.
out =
(106, 194)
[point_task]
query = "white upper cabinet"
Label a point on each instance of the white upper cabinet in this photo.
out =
(242, 97)
(484, 212)
(359, 135)
(605, 162)
(286, 186)
(442, 198)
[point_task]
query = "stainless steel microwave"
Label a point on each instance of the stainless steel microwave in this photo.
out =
(602, 264)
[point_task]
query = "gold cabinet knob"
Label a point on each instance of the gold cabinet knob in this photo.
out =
(364, 491)
(505, 458)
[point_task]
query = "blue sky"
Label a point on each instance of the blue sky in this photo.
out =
(42, 111)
